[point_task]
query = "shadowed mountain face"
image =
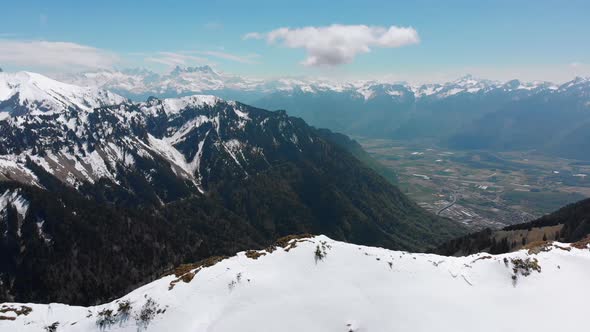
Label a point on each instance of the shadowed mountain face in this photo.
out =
(555, 125)
(98, 194)
(466, 114)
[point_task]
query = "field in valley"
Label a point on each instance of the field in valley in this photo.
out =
(482, 189)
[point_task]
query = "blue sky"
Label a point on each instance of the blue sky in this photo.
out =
(493, 39)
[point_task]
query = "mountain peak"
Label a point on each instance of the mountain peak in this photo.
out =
(577, 82)
(26, 92)
(470, 79)
(206, 69)
(512, 84)
(175, 105)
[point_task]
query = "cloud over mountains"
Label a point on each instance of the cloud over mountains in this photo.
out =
(338, 44)
(56, 55)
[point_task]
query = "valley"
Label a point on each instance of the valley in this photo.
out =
(259, 166)
(490, 189)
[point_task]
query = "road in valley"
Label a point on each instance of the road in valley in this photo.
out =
(453, 201)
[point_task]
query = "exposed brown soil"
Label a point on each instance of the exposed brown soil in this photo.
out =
(18, 310)
(253, 254)
(289, 242)
(582, 244)
(186, 272)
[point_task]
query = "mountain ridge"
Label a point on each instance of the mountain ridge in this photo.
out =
(392, 290)
(182, 80)
(177, 180)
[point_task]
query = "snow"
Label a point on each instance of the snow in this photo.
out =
(241, 114)
(395, 93)
(40, 94)
(16, 169)
(233, 147)
(20, 203)
(181, 166)
(71, 167)
(98, 165)
(117, 153)
(168, 151)
(366, 92)
(452, 92)
(352, 288)
(426, 90)
(77, 163)
(186, 128)
(195, 164)
(174, 105)
(46, 238)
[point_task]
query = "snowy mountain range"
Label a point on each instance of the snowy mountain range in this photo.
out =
(84, 171)
(317, 284)
(465, 113)
(86, 129)
(30, 93)
(204, 79)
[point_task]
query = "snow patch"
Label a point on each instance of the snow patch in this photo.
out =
(14, 198)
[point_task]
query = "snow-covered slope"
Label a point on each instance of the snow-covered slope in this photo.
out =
(317, 284)
(26, 92)
(82, 135)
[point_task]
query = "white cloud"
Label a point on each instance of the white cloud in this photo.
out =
(56, 56)
(248, 59)
(253, 35)
(185, 58)
(338, 44)
(173, 59)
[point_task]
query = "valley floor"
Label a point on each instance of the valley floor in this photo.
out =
(317, 284)
(490, 189)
